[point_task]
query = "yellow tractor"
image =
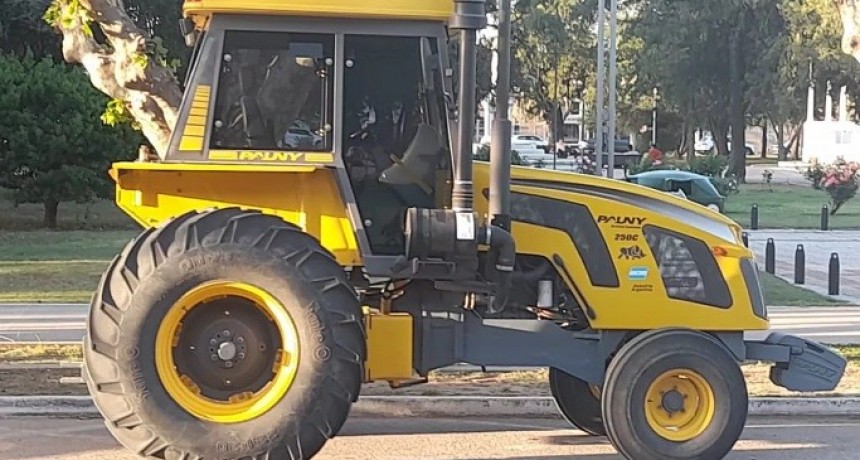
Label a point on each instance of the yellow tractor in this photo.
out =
(319, 223)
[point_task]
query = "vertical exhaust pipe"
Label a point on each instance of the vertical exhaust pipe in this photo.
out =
(500, 149)
(469, 17)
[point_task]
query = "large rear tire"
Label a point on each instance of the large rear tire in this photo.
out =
(224, 334)
(578, 401)
(674, 394)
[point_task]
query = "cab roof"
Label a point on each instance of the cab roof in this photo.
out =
(428, 10)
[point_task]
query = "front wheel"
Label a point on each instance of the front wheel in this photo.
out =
(674, 394)
(224, 334)
(578, 401)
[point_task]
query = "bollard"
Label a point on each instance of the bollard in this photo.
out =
(825, 217)
(799, 265)
(754, 217)
(746, 238)
(834, 274)
(770, 257)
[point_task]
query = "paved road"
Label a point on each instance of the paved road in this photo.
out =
(65, 323)
(401, 439)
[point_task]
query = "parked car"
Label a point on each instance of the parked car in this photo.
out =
(529, 142)
(695, 187)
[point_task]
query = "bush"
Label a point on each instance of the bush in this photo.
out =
(726, 186)
(483, 154)
(841, 181)
(709, 165)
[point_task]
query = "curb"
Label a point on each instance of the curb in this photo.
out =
(432, 406)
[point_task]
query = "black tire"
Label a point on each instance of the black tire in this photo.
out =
(577, 402)
(644, 359)
(156, 269)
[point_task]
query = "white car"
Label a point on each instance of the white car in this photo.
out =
(300, 138)
(530, 142)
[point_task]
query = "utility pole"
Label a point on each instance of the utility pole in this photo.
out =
(500, 146)
(613, 86)
(601, 79)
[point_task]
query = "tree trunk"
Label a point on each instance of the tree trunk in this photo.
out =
(764, 139)
(780, 139)
(721, 137)
(737, 165)
(51, 211)
(151, 92)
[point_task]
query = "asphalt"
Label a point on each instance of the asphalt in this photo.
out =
(471, 438)
(65, 323)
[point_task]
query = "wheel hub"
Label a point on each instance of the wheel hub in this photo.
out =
(673, 402)
(241, 343)
(679, 405)
(227, 351)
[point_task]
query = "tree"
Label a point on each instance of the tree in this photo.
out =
(124, 60)
(22, 29)
(53, 148)
(553, 46)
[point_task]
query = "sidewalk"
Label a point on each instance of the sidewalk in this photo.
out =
(818, 247)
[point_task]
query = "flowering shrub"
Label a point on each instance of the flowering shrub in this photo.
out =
(841, 180)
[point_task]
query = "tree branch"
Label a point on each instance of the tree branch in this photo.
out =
(150, 92)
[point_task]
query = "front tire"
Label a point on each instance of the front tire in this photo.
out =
(164, 360)
(578, 401)
(674, 394)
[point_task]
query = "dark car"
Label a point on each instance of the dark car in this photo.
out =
(697, 188)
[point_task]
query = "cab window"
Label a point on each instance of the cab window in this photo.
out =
(275, 92)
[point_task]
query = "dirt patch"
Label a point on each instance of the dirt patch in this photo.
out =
(26, 381)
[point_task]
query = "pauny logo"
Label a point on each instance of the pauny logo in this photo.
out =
(621, 220)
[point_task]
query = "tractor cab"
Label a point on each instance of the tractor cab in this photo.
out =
(295, 85)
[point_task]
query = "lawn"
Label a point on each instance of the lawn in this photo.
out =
(101, 215)
(778, 292)
(789, 206)
(44, 266)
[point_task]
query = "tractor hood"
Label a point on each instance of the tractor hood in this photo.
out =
(651, 201)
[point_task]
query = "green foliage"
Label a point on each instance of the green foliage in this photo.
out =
(68, 14)
(483, 154)
(709, 165)
(22, 29)
(840, 180)
(52, 146)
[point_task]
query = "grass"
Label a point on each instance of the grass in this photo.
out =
(45, 266)
(789, 206)
(101, 215)
(778, 292)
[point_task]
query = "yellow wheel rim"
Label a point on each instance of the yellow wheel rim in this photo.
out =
(679, 405)
(236, 404)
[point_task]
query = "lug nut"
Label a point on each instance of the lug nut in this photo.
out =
(213, 342)
(240, 340)
(227, 382)
(241, 355)
(229, 364)
(214, 357)
(226, 333)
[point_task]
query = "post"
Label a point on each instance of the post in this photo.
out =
(833, 285)
(799, 265)
(754, 217)
(746, 237)
(825, 217)
(601, 79)
(613, 86)
(500, 147)
(654, 120)
(770, 257)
